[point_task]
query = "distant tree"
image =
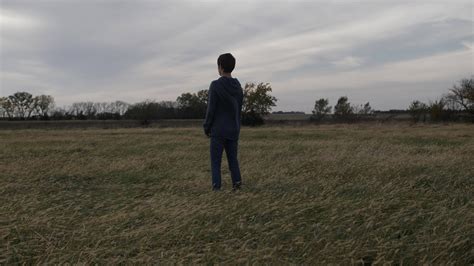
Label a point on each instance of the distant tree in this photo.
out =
(3, 112)
(100, 107)
(95, 110)
(74, 109)
(115, 110)
(23, 103)
(437, 110)
(167, 109)
(418, 111)
(44, 104)
(343, 109)
(106, 110)
(203, 96)
(451, 103)
(120, 107)
(149, 109)
(366, 109)
(143, 111)
(462, 96)
(85, 110)
(61, 113)
(90, 109)
(77, 110)
(7, 108)
(186, 100)
(362, 111)
(321, 109)
(193, 105)
(257, 103)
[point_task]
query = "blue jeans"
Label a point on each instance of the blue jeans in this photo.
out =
(218, 144)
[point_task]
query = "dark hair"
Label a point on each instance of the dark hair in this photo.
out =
(227, 62)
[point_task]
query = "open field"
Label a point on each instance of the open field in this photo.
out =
(314, 194)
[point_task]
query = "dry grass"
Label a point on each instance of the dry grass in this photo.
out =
(329, 194)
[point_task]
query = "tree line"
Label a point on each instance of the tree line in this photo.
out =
(343, 110)
(24, 106)
(456, 104)
(459, 99)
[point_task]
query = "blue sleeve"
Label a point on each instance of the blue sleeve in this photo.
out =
(211, 107)
(241, 101)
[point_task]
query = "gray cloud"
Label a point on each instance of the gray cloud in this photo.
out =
(386, 53)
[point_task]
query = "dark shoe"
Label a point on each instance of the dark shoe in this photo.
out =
(216, 189)
(236, 186)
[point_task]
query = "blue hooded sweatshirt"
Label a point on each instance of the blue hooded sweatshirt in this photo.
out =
(224, 108)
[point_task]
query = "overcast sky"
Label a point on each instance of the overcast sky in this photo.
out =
(385, 52)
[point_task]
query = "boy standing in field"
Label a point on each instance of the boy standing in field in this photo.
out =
(222, 122)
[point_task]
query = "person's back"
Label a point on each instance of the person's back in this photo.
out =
(226, 96)
(223, 119)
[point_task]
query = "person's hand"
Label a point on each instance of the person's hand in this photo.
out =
(207, 132)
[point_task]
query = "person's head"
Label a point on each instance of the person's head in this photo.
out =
(225, 63)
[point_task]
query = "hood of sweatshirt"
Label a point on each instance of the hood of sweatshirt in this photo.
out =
(229, 89)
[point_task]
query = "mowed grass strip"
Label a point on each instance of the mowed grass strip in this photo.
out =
(316, 194)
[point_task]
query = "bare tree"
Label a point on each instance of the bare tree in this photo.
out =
(97, 108)
(76, 109)
(44, 103)
(463, 95)
(6, 109)
(23, 103)
(9, 107)
(366, 109)
(451, 103)
(121, 107)
(90, 109)
(83, 110)
(117, 107)
(203, 95)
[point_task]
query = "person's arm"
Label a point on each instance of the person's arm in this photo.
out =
(241, 101)
(211, 108)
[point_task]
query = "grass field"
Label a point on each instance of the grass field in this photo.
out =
(315, 195)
